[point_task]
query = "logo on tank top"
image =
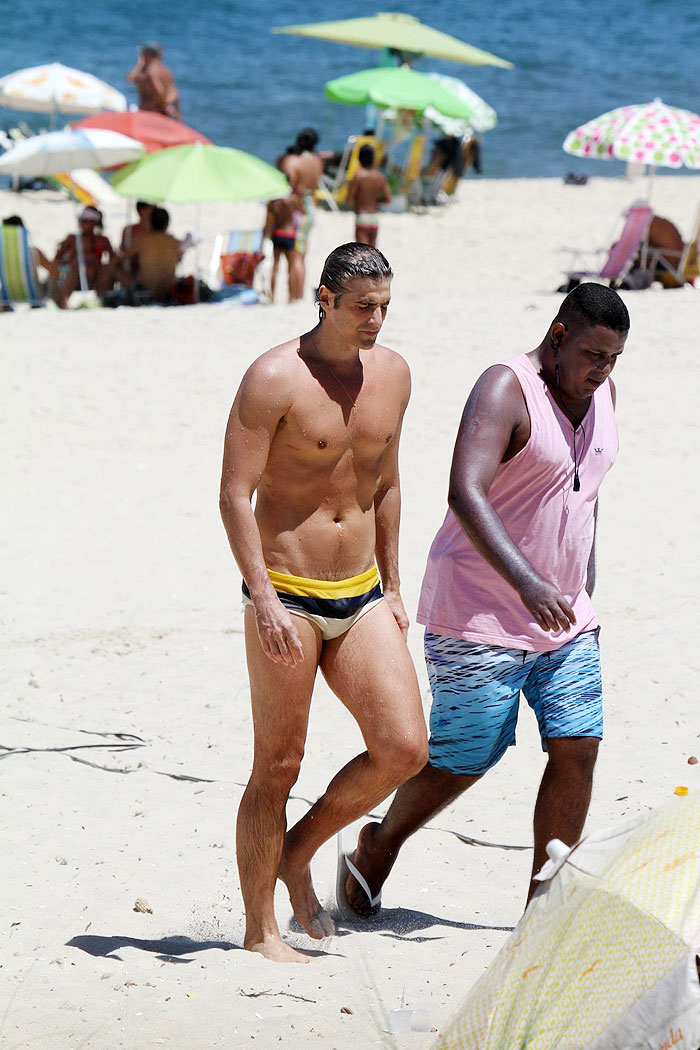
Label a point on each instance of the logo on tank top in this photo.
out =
(598, 451)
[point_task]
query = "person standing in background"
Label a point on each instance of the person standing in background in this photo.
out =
(154, 83)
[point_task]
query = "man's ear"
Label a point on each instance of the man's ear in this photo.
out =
(557, 334)
(326, 298)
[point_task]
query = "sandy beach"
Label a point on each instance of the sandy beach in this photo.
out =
(126, 733)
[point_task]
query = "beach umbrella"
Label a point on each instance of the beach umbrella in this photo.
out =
(605, 955)
(56, 89)
(398, 87)
(154, 130)
(53, 152)
(199, 173)
(651, 133)
(482, 117)
(400, 32)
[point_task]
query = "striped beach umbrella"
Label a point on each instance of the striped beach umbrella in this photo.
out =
(652, 133)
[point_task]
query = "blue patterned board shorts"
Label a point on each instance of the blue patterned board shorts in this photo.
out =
(476, 691)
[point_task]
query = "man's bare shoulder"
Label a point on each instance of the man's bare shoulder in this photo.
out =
(272, 377)
(391, 365)
(497, 390)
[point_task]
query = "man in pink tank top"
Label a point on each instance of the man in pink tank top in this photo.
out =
(506, 596)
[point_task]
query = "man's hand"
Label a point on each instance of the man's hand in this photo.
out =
(547, 604)
(395, 603)
(278, 636)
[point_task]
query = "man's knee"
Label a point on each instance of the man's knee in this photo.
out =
(573, 756)
(405, 753)
(278, 773)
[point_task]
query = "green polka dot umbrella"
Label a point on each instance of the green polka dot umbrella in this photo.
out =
(652, 133)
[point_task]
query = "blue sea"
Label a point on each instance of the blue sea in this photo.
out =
(244, 87)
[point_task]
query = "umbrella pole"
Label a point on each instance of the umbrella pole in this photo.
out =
(196, 253)
(82, 272)
(650, 181)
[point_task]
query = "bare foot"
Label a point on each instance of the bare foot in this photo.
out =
(305, 904)
(275, 949)
(374, 863)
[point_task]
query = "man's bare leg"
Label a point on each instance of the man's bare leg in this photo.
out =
(415, 803)
(280, 697)
(297, 272)
(564, 795)
(383, 696)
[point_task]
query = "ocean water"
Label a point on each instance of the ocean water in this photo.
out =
(244, 87)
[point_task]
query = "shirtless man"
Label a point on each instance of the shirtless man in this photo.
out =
(280, 227)
(367, 189)
(155, 83)
(156, 256)
(314, 430)
(303, 166)
(506, 596)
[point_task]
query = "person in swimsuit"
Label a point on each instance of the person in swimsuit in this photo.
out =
(280, 227)
(303, 166)
(154, 83)
(314, 432)
(506, 596)
(367, 189)
(97, 252)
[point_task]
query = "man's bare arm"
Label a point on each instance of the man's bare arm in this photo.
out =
(259, 405)
(387, 514)
(494, 412)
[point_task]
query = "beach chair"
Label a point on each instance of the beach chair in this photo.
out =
(630, 246)
(675, 267)
(413, 166)
(236, 256)
(18, 278)
(336, 188)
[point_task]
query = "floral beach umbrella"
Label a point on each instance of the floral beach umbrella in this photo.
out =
(652, 133)
(605, 955)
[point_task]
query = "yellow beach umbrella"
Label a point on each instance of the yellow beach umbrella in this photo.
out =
(400, 32)
(604, 958)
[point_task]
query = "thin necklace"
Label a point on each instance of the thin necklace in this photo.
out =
(353, 404)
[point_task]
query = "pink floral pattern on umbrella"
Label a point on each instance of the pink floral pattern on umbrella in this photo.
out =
(652, 133)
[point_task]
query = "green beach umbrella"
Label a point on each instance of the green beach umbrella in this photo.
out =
(200, 173)
(397, 87)
(399, 32)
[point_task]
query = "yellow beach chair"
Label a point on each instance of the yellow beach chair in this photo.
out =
(336, 189)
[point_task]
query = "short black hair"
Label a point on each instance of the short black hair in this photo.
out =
(306, 140)
(159, 220)
(348, 262)
(366, 156)
(12, 220)
(591, 304)
(140, 205)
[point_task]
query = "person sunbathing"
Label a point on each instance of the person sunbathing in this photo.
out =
(157, 255)
(94, 246)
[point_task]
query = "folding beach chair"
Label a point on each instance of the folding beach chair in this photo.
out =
(334, 190)
(621, 256)
(18, 278)
(236, 256)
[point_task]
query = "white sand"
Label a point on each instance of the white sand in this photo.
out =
(120, 603)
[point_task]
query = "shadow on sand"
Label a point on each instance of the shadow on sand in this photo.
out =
(168, 949)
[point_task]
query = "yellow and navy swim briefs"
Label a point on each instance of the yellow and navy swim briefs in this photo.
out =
(333, 605)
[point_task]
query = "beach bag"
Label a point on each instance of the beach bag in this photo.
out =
(239, 267)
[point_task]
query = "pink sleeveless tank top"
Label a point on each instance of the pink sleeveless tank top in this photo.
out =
(533, 494)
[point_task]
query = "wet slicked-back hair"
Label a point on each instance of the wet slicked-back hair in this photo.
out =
(348, 262)
(591, 304)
